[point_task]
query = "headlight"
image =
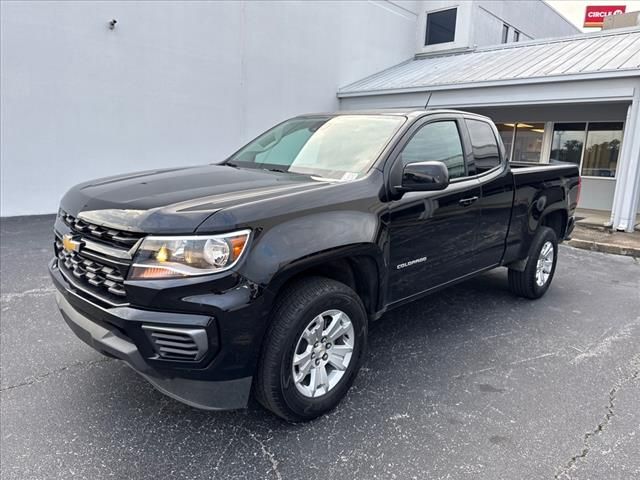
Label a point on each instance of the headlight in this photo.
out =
(176, 257)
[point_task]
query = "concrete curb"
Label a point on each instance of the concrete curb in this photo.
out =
(604, 247)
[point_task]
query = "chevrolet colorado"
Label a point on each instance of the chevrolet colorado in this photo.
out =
(260, 274)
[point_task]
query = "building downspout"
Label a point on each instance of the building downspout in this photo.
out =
(627, 191)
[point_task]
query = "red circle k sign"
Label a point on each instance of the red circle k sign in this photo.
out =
(595, 14)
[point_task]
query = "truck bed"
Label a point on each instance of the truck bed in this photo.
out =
(537, 185)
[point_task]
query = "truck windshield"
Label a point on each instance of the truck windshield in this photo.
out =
(341, 147)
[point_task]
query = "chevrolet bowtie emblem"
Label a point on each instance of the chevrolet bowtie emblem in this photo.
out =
(70, 244)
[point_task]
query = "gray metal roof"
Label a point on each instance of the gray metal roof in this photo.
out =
(608, 53)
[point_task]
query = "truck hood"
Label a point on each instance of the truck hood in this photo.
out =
(175, 200)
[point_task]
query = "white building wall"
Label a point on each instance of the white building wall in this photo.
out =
(172, 84)
(487, 27)
(533, 18)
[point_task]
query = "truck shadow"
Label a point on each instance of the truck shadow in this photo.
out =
(418, 332)
(417, 371)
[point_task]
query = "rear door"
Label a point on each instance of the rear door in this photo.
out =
(432, 234)
(496, 182)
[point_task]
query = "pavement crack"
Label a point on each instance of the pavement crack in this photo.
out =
(586, 441)
(34, 292)
(266, 452)
(537, 357)
(223, 454)
(605, 344)
(38, 378)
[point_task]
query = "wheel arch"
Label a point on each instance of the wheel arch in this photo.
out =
(556, 220)
(360, 267)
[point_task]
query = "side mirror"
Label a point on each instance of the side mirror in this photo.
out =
(424, 176)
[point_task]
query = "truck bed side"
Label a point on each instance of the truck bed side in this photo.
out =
(545, 194)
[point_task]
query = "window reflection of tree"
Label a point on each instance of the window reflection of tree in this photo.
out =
(573, 145)
(601, 158)
(570, 151)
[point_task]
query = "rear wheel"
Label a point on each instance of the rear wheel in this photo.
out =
(534, 280)
(312, 350)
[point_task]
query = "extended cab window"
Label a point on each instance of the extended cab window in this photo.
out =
(484, 144)
(439, 141)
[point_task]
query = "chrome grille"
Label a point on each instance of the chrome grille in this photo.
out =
(100, 266)
(100, 233)
(98, 278)
(188, 344)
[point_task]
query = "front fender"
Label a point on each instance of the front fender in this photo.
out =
(301, 241)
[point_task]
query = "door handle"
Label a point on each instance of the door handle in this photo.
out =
(465, 202)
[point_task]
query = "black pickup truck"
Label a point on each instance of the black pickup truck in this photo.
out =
(260, 274)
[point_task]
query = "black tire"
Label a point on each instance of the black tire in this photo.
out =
(523, 283)
(274, 386)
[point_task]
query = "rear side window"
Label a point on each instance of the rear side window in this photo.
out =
(484, 144)
(439, 141)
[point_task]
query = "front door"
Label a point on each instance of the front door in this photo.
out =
(432, 234)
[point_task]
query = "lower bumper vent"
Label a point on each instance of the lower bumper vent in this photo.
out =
(186, 344)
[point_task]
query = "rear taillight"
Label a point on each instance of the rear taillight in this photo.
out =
(579, 189)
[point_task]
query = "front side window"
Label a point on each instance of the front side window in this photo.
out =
(484, 144)
(441, 27)
(516, 36)
(342, 147)
(439, 141)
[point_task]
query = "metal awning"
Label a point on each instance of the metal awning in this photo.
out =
(614, 53)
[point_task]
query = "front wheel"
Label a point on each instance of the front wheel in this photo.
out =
(534, 280)
(312, 350)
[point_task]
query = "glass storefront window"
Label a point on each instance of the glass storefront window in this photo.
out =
(602, 149)
(528, 144)
(506, 133)
(595, 144)
(528, 140)
(567, 142)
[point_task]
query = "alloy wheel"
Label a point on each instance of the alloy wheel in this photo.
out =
(544, 264)
(323, 353)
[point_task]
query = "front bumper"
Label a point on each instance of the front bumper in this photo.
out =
(208, 395)
(218, 382)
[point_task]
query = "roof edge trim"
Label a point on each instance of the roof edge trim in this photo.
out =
(633, 72)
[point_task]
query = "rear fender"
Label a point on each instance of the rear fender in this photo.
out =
(538, 211)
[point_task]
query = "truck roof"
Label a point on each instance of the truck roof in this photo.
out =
(407, 112)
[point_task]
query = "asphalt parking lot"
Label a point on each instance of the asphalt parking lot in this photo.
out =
(469, 383)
